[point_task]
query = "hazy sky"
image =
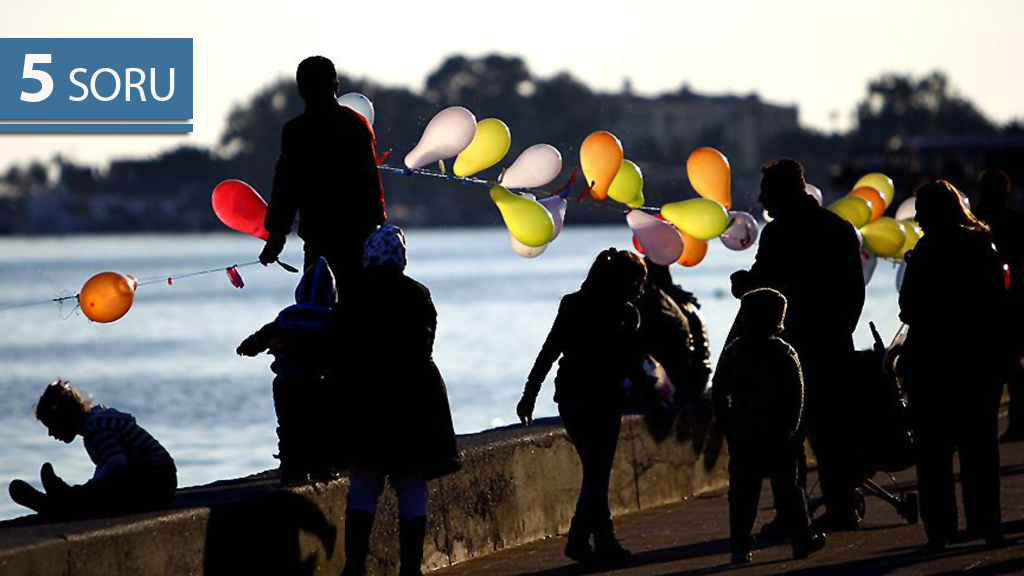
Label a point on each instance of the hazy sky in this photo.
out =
(814, 53)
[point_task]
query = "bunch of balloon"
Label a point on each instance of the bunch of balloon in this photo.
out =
(447, 134)
(107, 296)
(489, 145)
(742, 233)
(536, 166)
(526, 219)
(359, 104)
(600, 159)
(655, 238)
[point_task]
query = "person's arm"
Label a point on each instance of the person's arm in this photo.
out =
(768, 262)
(259, 342)
(105, 449)
(792, 378)
(284, 199)
(549, 353)
(722, 389)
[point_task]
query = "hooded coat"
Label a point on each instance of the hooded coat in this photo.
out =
(398, 414)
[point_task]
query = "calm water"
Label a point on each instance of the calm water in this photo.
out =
(171, 360)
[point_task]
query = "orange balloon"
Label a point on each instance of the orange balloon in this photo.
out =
(694, 251)
(107, 296)
(874, 197)
(600, 158)
(709, 175)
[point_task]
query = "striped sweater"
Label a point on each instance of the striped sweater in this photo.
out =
(113, 440)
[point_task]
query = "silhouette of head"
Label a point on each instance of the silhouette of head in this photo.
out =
(617, 275)
(317, 79)
(62, 410)
(942, 208)
(763, 312)
(994, 187)
(782, 186)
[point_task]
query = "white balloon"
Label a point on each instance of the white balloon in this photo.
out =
(742, 233)
(557, 206)
(524, 250)
(447, 134)
(361, 104)
(659, 239)
(767, 217)
(813, 191)
(536, 166)
(907, 210)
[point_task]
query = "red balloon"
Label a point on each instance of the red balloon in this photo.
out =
(240, 208)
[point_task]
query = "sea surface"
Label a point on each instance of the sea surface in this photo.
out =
(171, 360)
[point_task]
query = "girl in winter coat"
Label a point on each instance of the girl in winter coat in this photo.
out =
(953, 369)
(399, 421)
(134, 473)
(596, 335)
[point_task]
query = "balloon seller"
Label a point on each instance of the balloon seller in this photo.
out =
(590, 390)
(303, 386)
(758, 395)
(134, 473)
(397, 413)
(327, 174)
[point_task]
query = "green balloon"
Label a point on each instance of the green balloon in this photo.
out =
(701, 218)
(884, 237)
(628, 183)
(853, 209)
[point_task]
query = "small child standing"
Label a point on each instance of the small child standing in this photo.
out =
(134, 473)
(758, 396)
(298, 338)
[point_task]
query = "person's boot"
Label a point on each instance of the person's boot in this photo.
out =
(776, 529)
(53, 485)
(24, 494)
(291, 471)
(577, 546)
(808, 544)
(411, 534)
(358, 526)
(607, 549)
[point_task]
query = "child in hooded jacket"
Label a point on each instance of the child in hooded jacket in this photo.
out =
(303, 383)
(134, 473)
(758, 397)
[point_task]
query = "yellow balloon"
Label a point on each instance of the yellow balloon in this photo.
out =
(528, 222)
(854, 209)
(881, 183)
(700, 218)
(107, 296)
(637, 202)
(914, 234)
(489, 146)
(628, 183)
(884, 237)
(710, 175)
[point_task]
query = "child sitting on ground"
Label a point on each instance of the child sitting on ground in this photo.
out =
(758, 396)
(134, 473)
(303, 389)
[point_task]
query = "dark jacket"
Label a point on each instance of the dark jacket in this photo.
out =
(599, 346)
(953, 300)
(811, 256)
(665, 335)
(398, 414)
(327, 173)
(758, 391)
(700, 356)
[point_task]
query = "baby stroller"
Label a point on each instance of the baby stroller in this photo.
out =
(888, 445)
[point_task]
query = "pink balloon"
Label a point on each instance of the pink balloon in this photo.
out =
(659, 239)
(240, 208)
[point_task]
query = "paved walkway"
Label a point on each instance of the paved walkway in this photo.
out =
(692, 537)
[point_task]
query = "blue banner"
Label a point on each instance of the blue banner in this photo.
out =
(96, 79)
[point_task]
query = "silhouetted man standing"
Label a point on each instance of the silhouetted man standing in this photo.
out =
(1008, 234)
(812, 257)
(327, 173)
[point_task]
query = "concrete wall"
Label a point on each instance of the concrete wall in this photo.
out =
(517, 485)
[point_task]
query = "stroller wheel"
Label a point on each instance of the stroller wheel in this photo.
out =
(912, 509)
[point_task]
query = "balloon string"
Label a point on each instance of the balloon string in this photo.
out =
(563, 191)
(58, 300)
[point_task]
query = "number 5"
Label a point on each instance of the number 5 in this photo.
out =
(42, 77)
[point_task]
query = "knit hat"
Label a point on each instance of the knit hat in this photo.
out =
(763, 311)
(385, 247)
